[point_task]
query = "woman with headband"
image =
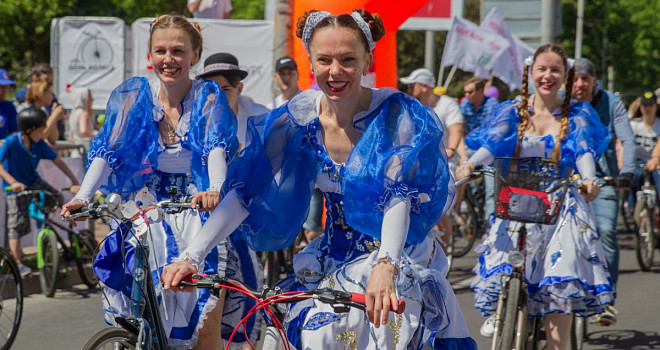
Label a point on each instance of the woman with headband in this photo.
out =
(377, 155)
(170, 133)
(565, 268)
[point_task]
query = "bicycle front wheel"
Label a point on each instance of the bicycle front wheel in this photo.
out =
(11, 299)
(465, 231)
(50, 256)
(644, 239)
(111, 339)
(509, 315)
(85, 257)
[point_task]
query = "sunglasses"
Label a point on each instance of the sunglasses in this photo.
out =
(468, 91)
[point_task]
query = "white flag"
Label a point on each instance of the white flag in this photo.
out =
(509, 66)
(471, 48)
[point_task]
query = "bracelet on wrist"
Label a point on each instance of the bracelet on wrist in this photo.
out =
(388, 260)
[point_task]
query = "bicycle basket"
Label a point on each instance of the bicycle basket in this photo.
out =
(530, 190)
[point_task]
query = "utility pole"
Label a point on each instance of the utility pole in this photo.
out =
(547, 21)
(429, 50)
(578, 29)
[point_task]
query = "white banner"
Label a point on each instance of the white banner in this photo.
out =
(250, 41)
(88, 52)
(509, 66)
(471, 48)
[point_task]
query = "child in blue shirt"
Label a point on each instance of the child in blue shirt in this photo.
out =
(20, 155)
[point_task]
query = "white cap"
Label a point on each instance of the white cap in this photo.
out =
(419, 76)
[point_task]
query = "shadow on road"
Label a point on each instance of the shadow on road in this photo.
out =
(624, 340)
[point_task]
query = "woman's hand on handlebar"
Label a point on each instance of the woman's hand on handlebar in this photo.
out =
(175, 273)
(590, 189)
(206, 201)
(380, 293)
(464, 170)
(69, 208)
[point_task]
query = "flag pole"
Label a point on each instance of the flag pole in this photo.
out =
(451, 75)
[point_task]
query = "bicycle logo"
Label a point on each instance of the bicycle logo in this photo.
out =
(94, 53)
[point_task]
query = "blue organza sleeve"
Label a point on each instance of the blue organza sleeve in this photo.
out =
(399, 154)
(587, 134)
(128, 139)
(499, 131)
(212, 125)
(273, 176)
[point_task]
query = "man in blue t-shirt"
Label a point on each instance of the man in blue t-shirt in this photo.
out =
(20, 155)
(476, 106)
(7, 109)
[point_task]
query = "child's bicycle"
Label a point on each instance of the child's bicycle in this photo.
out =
(11, 299)
(80, 247)
(144, 328)
(527, 191)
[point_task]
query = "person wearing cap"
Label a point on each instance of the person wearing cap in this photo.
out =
(476, 106)
(420, 85)
(286, 76)
(218, 9)
(614, 115)
(223, 68)
(7, 109)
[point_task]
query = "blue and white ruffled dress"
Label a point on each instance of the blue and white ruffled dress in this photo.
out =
(131, 143)
(399, 154)
(565, 264)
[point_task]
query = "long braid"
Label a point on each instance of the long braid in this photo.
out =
(565, 107)
(524, 111)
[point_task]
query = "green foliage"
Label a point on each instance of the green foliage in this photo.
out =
(623, 34)
(25, 33)
(248, 9)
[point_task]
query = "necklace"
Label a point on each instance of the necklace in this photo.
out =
(171, 135)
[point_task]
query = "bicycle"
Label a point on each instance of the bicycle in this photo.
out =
(527, 191)
(144, 328)
(470, 210)
(647, 215)
(11, 299)
(80, 249)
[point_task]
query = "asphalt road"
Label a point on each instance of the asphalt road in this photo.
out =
(638, 326)
(69, 319)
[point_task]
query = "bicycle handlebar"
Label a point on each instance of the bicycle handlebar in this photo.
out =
(339, 299)
(94, 210)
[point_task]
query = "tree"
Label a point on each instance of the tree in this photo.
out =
(25, 33)
(623, 34)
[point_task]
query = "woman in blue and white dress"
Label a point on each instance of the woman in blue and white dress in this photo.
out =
(170, 132)
(565, 267)
(378, 157)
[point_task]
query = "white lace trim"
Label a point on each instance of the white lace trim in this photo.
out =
(365, 29)
(312, 21)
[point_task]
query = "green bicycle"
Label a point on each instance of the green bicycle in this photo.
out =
(79, 248)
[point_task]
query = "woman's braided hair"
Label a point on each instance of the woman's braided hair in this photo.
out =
(565, 107)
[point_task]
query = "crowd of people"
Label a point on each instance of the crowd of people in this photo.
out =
(381, 162)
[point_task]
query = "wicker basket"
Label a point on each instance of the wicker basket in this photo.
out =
(530, 190)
